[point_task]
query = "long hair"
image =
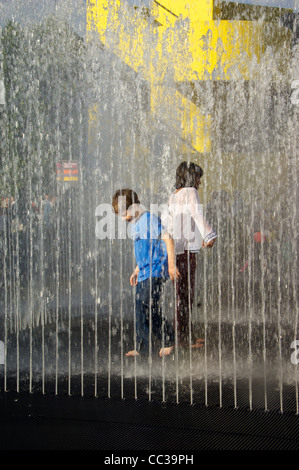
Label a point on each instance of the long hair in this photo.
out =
(188, 175)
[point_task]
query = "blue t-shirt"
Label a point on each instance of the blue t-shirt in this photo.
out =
(150, 250)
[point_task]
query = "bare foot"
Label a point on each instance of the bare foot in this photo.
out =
(132, 353)
(165, 351)
(198, 343)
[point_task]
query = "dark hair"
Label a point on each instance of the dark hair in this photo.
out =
(129, 194)
(187, 175)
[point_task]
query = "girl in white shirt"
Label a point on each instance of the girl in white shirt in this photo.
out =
(186, 224)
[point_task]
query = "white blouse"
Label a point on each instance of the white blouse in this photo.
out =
(184, 221)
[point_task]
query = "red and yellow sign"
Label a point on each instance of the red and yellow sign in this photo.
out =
(67, 171)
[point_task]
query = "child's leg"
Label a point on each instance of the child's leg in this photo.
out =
(142, 314)
(161, 328)
(156, 311)
(147, 300)
(186, 264)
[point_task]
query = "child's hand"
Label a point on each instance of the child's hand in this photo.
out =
(209, 244)
(134, 277)
(173, 272)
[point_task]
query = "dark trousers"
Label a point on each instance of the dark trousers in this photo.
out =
(149, 315)
(186, 265)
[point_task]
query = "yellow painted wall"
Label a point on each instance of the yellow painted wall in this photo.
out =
(178, 41)
(193, 43)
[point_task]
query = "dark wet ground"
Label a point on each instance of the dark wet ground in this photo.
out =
(63, 361)
(139, 427)
(125, 404)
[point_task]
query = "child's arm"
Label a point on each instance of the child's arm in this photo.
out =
(134, 277)
(172, 270)
(208, 234)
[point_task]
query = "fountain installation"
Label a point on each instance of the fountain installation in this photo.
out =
(154, 84)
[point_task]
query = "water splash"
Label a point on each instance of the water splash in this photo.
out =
(67, 309)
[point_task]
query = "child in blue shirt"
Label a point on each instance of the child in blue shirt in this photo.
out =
(155, 262)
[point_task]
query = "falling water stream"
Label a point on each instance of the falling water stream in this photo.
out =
(67, 312)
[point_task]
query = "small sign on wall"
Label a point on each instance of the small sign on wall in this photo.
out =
(67, 171)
